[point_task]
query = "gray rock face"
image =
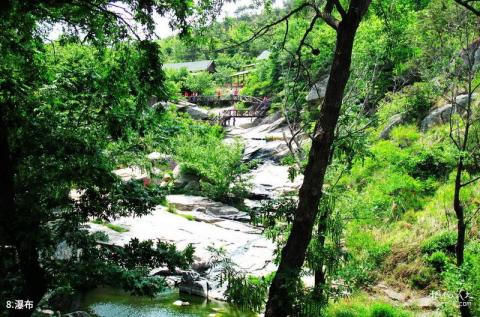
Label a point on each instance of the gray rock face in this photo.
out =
(207, 206)
(317, 92)
(197, 113)
(270, 180)
(198, 287)
(438, 116)
(394, 121)
(262, 141)
(182, 179)
(161, 158)
(442, 115)
(192, 283)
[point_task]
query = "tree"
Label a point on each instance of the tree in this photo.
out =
(55, 123)
(293, 254)
(465, 135)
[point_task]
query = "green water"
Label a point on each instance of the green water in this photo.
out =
(109, 302)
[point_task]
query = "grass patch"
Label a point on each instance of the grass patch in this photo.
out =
(171, 209)
(361, 306)
(111, 226)
(188, 217)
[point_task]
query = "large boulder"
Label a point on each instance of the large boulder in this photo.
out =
(206, 206)
(394, 121)
(197, 113)
(442, 115)
(129, 173)
(192, 283)
(185, 180)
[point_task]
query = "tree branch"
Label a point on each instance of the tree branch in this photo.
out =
(468, 6)
(267, 27)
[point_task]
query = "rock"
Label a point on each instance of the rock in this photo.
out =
(394, 121)
(154, 156)
(190, 276)
(270, 180)
(317, 92)
(442, 115)
(436, 117)
(201, 266)
(182, 179)
(199, 287)
(426, 303)
(130, 173)
(197, 113)
(394, 295)
(77, 314)
(161, 271)
(173, 281)
(63, 251)
(192, 283)
(206, 206)
(192, 186)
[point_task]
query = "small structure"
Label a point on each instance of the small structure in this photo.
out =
(238, 79)
(193, 67)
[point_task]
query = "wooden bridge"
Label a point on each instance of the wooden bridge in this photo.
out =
(257, 107)
(224, 100)
(228, 116)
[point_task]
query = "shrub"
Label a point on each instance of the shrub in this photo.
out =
(248, 291)
(444, 241)
(438, 260)
(423, 278)
(385, 310)
(201, 83)
(413, 102)
(217, 164)
(405, 135)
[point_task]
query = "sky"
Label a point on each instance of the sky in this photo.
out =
(162, 29)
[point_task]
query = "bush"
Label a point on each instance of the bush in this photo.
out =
(384, 310)
(423, 278)
(217, 164)
(202, 83)
(438, 260)
(357, 307)
(413, 102)
(248, 291)
(405, 135)
(444, 241)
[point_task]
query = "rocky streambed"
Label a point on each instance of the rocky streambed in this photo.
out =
(208, 225)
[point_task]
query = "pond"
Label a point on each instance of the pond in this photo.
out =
(110, 302)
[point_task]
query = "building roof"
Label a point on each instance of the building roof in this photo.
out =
(264, 55)
(196, 66)
(243, 72)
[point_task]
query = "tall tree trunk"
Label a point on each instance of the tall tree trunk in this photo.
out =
(320, 278)
(461, 228)
(279, 303)
(32, 272)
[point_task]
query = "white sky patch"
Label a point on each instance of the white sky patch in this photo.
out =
(162, 28)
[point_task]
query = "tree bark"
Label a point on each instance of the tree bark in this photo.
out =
(320, 278)
(461, 228)
(279, 303)
(32, 272)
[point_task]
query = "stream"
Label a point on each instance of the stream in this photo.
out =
(215, 224)
(110, 302)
